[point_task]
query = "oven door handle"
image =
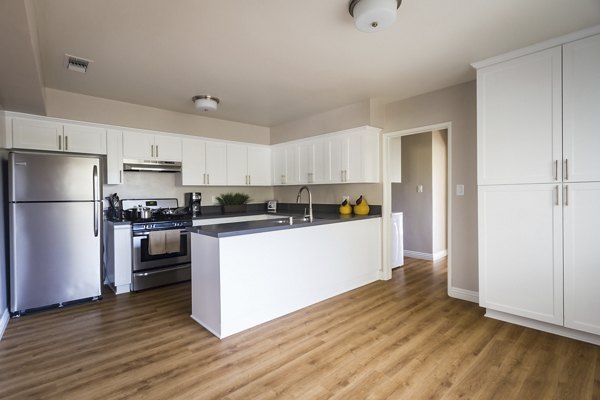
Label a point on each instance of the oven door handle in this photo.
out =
(160, 271)
(146, 233)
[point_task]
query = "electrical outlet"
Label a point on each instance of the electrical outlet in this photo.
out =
(460, 190)
(214, 200)
(346, 197)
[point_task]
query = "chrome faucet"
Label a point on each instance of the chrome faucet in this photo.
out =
(310, 212)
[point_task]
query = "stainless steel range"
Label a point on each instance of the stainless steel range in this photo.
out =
(160, 242)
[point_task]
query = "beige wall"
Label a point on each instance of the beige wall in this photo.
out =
(61, 104)
(456, 104)
(416, 158)
(351, 116)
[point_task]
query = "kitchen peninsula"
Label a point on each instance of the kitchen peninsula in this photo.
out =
(248, 273)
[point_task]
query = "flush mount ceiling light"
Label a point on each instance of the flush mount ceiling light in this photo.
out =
(206, 103)
(374, 15)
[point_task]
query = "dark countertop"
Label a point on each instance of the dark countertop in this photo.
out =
(268, 225)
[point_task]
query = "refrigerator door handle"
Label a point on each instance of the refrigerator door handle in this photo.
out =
(95, 199)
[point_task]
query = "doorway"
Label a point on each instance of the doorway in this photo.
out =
(415, 187)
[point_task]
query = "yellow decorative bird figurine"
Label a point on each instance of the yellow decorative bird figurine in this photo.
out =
(361, 207)
(345, 208)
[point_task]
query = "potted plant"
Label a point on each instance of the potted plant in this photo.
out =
(233, 202)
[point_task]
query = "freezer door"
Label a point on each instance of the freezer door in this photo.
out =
(55, 256)
(51, 177)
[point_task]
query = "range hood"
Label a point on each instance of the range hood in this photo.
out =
(151, 166)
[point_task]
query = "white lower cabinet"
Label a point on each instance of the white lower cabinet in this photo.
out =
(117, 238)
(530, 237)
(582, 256)
(520, 250)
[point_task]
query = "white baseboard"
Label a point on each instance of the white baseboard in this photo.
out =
(464, 294)
(4, 322)
(543, 326)
(440, 254)
(419, 255)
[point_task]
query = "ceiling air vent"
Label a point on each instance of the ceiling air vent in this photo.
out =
(76, 64)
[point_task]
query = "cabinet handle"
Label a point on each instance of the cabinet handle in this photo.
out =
(204, 178)
(60, 142)
(208, 179)
(566, 169)
(566, 200)
(156, 150)
(120, 176)
(555, 170)
(152, 150)
(556, 195)
(66, 143)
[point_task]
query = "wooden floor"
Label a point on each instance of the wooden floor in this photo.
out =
(400, 339)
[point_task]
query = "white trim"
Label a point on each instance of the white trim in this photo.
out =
(543, 326)
(386, 206)
(559, 41)
(4, 322)
(464, 294)
(418, 254)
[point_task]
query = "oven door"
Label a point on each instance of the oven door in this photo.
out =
(142, 260)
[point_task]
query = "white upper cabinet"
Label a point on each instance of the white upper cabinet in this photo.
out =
(37, 134)
(259, 165)
(581, 102)
(347, 156)
(519, 108)
(114, 157)
(84, 139)
(237, 165)
(147, 146)
(248, 165)
(203, 163)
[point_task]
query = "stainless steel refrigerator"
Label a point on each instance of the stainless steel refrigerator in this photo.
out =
(55, 212)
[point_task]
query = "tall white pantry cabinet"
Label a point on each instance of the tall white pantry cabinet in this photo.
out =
(538, 172)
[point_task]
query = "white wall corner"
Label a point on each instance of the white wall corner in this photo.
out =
(463, 294)
(4, 322)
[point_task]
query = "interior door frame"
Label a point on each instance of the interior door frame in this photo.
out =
(386, 207)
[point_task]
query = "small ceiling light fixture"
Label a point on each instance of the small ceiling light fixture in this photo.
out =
(206, 103)
(374, 15)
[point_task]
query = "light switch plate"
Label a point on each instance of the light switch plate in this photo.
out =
(419, 188)
(460, 190)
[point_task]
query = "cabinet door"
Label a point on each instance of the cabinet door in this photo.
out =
(322, 161)
(581, 118)
(237, 165)
(193, 162)
(520, 250)
(216, 163)
(352, 159)
(582, 257)
(519, 112)
(292, 165)
(278, 160)
(37, 135)
(306, 162)
(167, 148)
(369, 148)
(84, 139)
(138, 146)
(259, 166)
(114, 157)
(338, 156)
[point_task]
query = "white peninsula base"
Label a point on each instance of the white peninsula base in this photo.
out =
(241, 281)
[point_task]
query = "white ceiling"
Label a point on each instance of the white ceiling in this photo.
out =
(273, 61)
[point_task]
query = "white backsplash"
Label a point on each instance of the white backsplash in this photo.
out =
(164, 185)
